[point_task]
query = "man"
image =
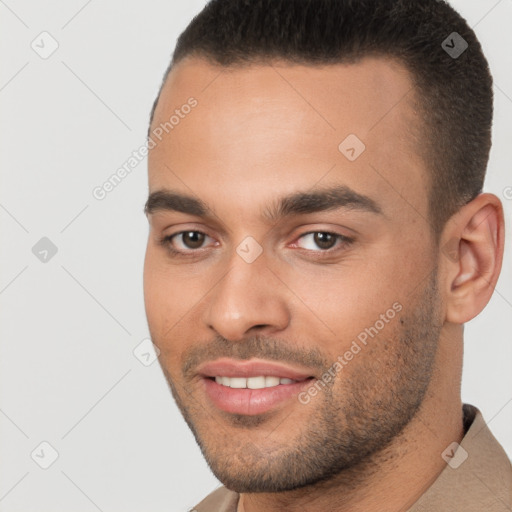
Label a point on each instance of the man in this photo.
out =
(318, 238)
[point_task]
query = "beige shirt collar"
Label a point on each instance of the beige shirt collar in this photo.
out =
(477, 477)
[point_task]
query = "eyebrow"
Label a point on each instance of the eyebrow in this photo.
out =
(297, 203)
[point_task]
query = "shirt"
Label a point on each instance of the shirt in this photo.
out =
(476, 478)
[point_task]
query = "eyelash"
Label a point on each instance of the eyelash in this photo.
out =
(166, 242)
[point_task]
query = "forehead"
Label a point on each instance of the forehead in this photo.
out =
(284, 125)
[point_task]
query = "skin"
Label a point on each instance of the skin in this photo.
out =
(372, 439)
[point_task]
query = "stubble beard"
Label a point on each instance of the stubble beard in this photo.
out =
(352, 420)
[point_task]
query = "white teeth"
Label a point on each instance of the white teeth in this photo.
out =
(259, 382)
(256, 382)
(271, 381)
(237, 382)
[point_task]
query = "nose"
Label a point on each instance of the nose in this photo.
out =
(249, 297)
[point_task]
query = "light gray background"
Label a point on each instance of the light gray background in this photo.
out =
(69, 326)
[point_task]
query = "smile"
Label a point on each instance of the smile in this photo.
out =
(258, 382)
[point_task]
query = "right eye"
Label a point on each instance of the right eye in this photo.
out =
(184, 242)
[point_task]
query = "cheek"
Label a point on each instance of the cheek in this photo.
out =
(345, 300)
(168, 303)
(152, 286)
(160, 296)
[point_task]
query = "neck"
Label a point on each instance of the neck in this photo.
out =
(394, 478)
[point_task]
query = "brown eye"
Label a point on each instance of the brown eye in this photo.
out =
(192, 239)
(324, 240)
(320, 240)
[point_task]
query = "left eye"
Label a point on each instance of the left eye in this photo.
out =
(322, 239)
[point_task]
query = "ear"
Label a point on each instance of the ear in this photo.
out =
(472, 246)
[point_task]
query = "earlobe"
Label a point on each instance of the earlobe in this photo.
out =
(473, 263)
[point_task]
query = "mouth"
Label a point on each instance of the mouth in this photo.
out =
(251, 387)
(258, 382)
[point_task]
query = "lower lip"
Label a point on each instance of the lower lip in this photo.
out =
(252, 401)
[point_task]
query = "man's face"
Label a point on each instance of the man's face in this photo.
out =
(348, 291)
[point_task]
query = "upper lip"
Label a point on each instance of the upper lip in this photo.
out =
(251, 368)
